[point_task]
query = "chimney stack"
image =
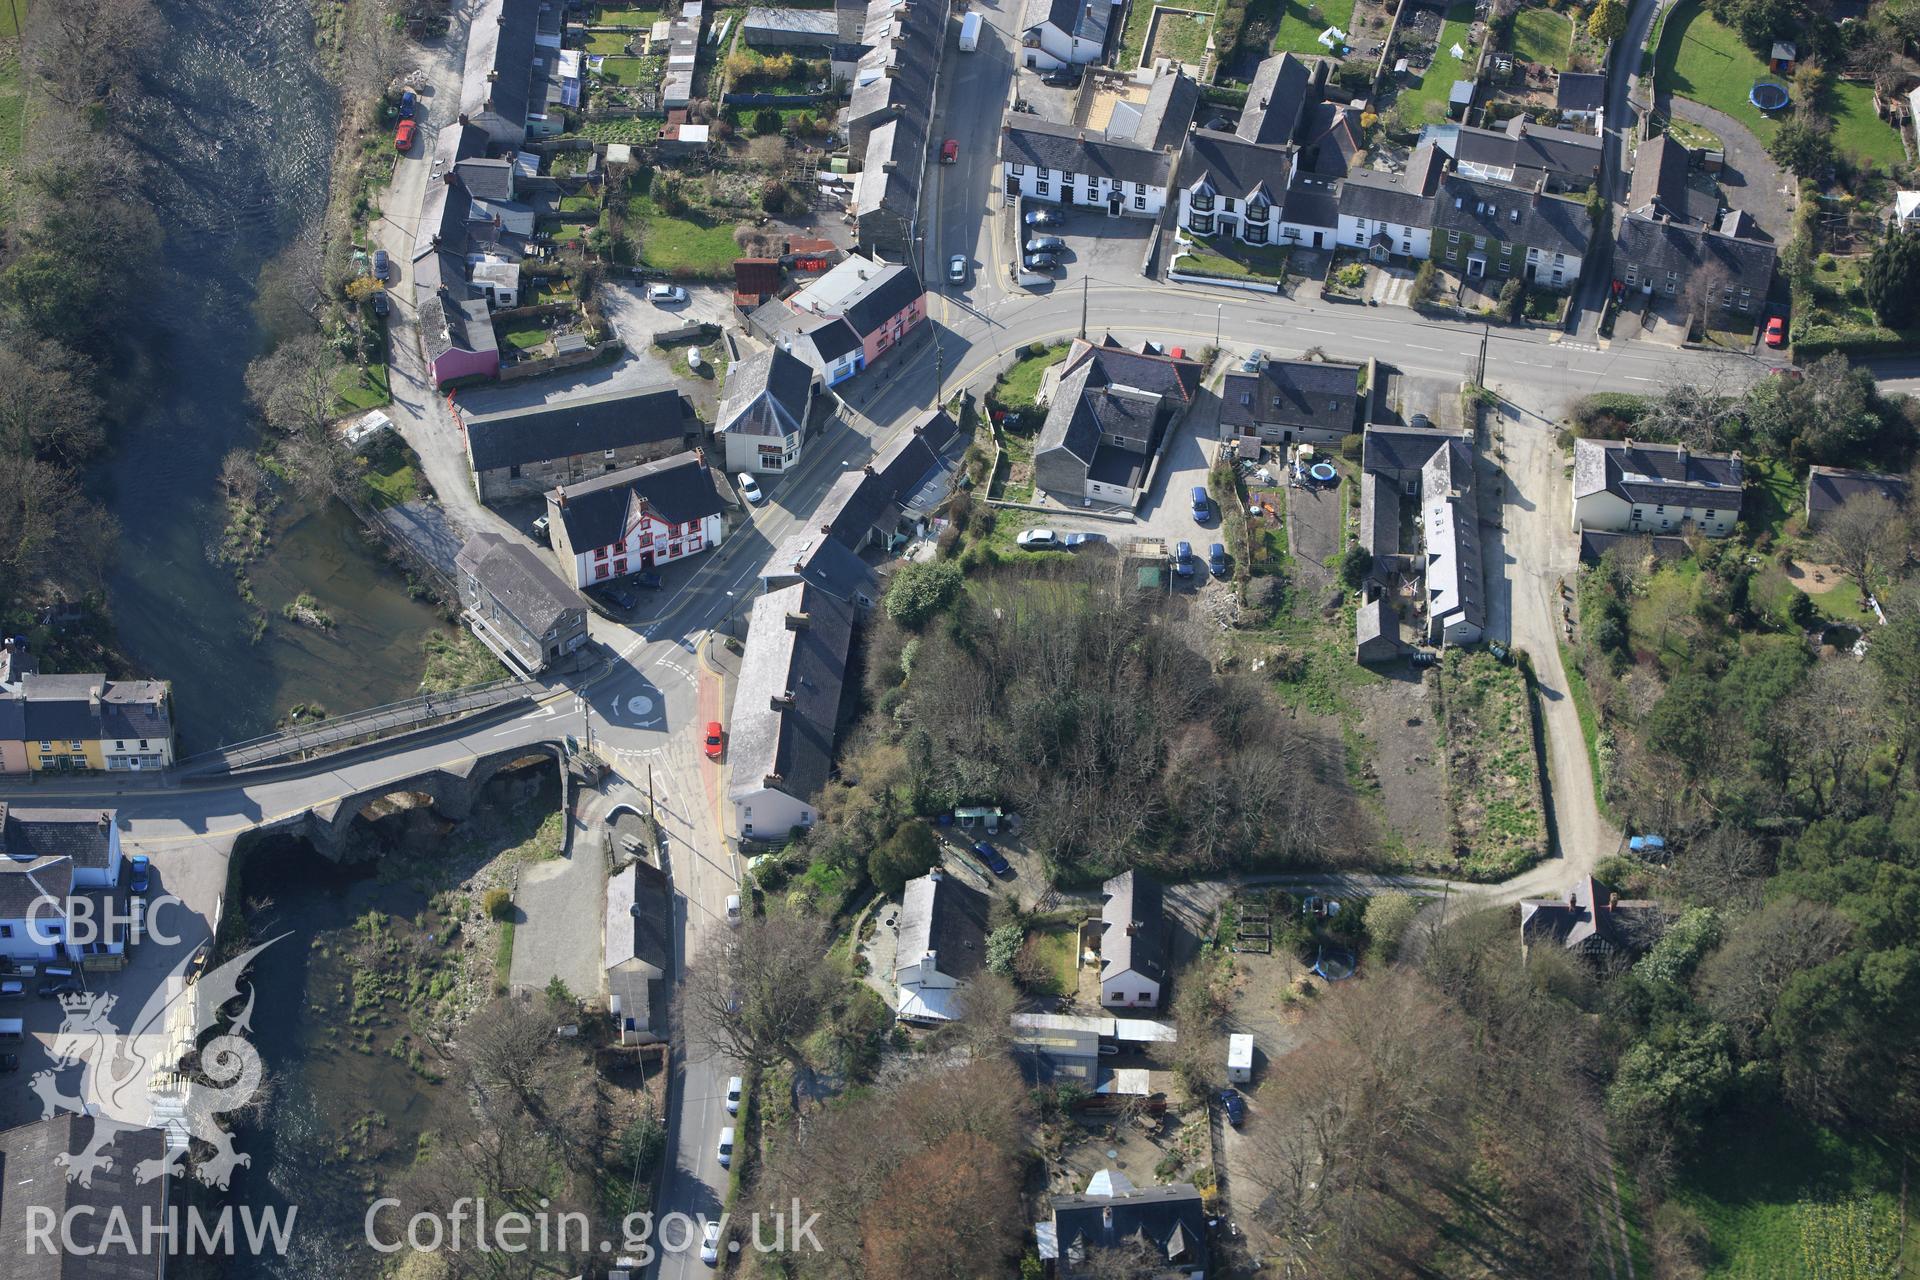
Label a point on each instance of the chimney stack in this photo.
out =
(782, 701)
(797, 620)
(1613, 901)
(560, 497)
(93, 698)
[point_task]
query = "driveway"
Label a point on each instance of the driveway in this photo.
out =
(559, 906)
(1751, 181)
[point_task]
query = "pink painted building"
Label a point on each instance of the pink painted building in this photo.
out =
(880, 301)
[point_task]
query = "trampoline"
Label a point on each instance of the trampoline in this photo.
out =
(1333, 964)
(1768, 95)
(1323, 472)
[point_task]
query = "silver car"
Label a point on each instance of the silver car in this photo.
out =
(957, 269)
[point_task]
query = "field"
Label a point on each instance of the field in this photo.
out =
(1543, 36)
(1700, 59)
(1762, 1193)
(692, 245)
(1299, 31)
(1438, 79)
(1492, 772)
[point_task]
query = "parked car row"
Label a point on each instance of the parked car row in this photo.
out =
(1048, 540)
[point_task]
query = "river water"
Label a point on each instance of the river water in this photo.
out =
(240, 139)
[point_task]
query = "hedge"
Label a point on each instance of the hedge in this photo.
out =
(1825, 339)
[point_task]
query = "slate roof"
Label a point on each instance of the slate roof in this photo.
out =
(832, 339)
(1530, 150)
(1580, 91)
(1330, 139)
(486, 179)
(585, 424)
(1405, 198)
(1595, 542)
(1124, 392)
(789, 747)
(104, 1218)
(1232, 167)
(61, 707)
(825, 562)
(1134, 935)
(1170, 1220)
(1544, 222)
(1829, 487)
(596, 512)
(1312, 201)
(884, 295)
(944, 915)
(639, 918)
(518, 580)
(1660, 186)
(1590, 919)
(1082, 19)
(1654, 473)
(1376, 620)
(39, 885)
(766, 395)
(1657, 247)
(1278, 96)
(1169, 108)
(500, 41)
(450, 323)
(1309, 394)
(84, 835)
(1045, 144)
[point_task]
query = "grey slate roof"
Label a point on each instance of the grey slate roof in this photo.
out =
(1308, 394)
(1111, 388)
(1656, 247)
(84, 835)
(500, 41)
(1082, 19)
(1330, 139)
(486, 179)
(453, 323)
(1580, 91)
(831, 339)
(1538, 221)
(680, 490)
(1641, 472)
(884, 295)
(789, 747)
(1595, 542)
(518, 580)
(587, 424)
(639, 920)
(1276, 100)
(766, 395)
(1169, 1220)
(61, 707)
(1590, 919)
(1830, 487)
(1169, 108)
(36, 888)
(1134, 935)
(1312, 201)
(1232, 167)
(943, 914)
(873, 497)
(105, 1217)
(1045, 144)
(823, 561)
(1660, 186)
(1531, 149)
(1405, 198)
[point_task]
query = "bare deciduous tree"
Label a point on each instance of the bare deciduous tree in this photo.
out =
(1741, 983)
(761, 993)
(1864, 534)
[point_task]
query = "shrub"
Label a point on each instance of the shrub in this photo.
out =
(1352, 445)
(1003, 944)
(1356, 562)
(773, 196)
(1389, 916)
(498, 903)
(1426, 281)
(919, 591)
(766, 121)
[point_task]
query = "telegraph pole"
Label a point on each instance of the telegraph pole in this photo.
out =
(1085, 281)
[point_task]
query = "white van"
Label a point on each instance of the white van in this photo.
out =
(970, 33)
(726, 1134)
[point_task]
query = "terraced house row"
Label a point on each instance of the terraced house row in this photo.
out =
(67, 723)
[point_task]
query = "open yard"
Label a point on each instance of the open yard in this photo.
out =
(1700, 59)
(1301, 24)
(1542, 36)
(692, 245)
(1430, 95)
(1493, 774)
(1134, 39)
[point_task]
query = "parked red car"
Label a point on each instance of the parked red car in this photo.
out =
(403, 136)
(1777, 332)
(949, 151)
(714, 739)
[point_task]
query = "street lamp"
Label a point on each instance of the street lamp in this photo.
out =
(729, 622)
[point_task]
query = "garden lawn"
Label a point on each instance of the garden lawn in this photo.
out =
(523, 336)
(1057, 946)
(1705, 61)
(1235, 260)
(1299, 33)
(1134, 38)
(632, 73)
(1438, 79)
(1543, 36)
(354, 393)
(612, 43)
(628, 17)
(1765, 1171)
(1773, 496)
(1020, 385)
(1183, 38)
(694, 245)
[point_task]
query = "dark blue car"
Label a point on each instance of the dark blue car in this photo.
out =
(1234, 1105)
(992, 859)
(1202, 505)
(142, 872)
(1183, 559)
(1217, 560)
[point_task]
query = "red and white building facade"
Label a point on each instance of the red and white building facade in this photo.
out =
(629, 521)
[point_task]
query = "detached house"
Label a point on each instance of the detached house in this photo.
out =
(637, 951)
(1483, 230)
(1164, 1227)
(517, 453)
(763, 415)
(1286, 400)
(1830, 488)
(786, 709)
(635, 519)
(1674, 243)
(1591, 921)
(1133, 942)
(942, 945)
(514, 603)
(1234, 187)
(1111, 410)
(1065, 33)
(1620, 486)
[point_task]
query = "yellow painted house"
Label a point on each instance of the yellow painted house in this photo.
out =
(74, 722)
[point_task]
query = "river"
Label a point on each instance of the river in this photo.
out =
(240, 136)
